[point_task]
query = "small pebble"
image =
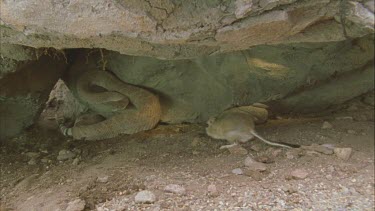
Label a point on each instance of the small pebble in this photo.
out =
(329, 146)
(343, 153)
(329, 177)
(352, 108)
(290, 155)
(145, 197)
(196, 142)
(351, 131)
(299, 174)
(256, 175)
(289, 189)
(344, 118)
(44, 151)
(237, 171)
(32, 155)
(237, 150)
(76, 161)
(312, 153)
(326, 125)
(319, 148)
(276, 152)
(251, 164)
(103, 179)
(76, 205)
(174, 188)
(32, 161)
(44, 160)
(212, 191)
(257, 147)
(265, 159)
(65, 155)
(294, 153)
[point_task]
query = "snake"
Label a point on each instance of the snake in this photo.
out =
(127, 108)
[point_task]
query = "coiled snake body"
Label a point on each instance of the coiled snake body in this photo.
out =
(127, 108)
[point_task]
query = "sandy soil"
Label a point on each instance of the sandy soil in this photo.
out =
(106, 175)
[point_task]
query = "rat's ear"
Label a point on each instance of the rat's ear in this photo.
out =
(211, 120)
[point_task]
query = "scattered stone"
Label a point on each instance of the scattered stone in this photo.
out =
(344, 118)
(65, 155)
(312, 153)
(45, 160)
(237, 150)
(343, 153)
(329, 177)
(345, 190)
(331, 169)
(299, 174)
(194, 152)
(103, 179)
(257, 147)
(196, 142)
(77, 151)
(329, 146)
(294, 153)
(45, 151)
(319, 148)
(76, 205)
(145, 197)
(351, 131)
(289, 189)
(265, 159)
(279, 117)
(256, 175)
(327, 125)
(212, 191)
(76, 161)
(32, 155)
(251, 164)
(276, 152)
(237, 171)
(117, 203)
(352, 108)
(174, 188)
(361, 118)
(32, 161)
(26, 182)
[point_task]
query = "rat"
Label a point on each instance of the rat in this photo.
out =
(238, 125)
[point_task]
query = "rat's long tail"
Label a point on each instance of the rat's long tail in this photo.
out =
(278, 144)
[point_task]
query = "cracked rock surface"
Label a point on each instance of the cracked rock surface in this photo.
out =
(175, 29)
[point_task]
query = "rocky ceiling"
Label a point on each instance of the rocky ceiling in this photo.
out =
(179, 29)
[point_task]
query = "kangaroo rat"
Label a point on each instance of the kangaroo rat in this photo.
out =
(238, 125)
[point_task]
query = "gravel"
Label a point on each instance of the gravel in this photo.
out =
(65, 155)
(145, 197)
(251, 164)
(343, 153)
(174, 188)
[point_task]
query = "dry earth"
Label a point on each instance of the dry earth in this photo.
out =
(106, 175)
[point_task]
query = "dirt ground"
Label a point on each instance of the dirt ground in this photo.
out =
(107, 175)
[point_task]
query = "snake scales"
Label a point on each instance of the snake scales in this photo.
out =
(127, 108)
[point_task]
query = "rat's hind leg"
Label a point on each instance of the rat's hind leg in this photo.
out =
(232, 140)
(229, 146)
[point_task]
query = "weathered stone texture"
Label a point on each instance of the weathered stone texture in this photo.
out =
(295, 78)
(175, 29)
(23, 93)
